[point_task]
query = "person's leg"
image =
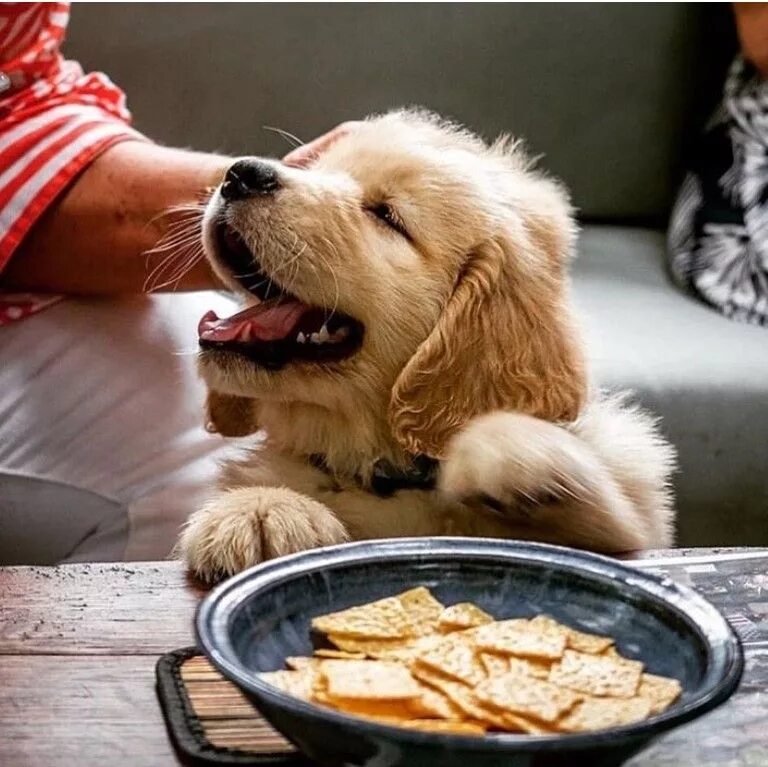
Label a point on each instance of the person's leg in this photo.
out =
(103, 394)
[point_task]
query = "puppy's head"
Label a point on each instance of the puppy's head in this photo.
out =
(411, 270)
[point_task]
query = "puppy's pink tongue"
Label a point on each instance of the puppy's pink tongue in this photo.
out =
(264, 322)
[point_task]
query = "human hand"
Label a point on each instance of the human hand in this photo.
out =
(752, 28)
(306, 154)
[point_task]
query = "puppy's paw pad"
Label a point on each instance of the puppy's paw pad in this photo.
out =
(246, 526)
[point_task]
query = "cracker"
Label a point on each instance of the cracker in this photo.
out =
(600, 713)
(575, 640)
(450, 726)
(496, 665)
(530, 667)
(453, 657)
(375, 709)
(597, 674)
(422, 608)
(384, 619)
(299, 683)
(661, 691)
(527, 696)
(433, 703)
(461, 696)
(386, 649)
(516, 637)
(408, 661)
(588, 643)
(368, 679)
(300, 663)
(340, 654)
(463, 615)
(517, 723)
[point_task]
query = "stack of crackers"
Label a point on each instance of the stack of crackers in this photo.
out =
(409, 661)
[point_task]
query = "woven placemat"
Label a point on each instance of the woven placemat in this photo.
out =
(210, 721)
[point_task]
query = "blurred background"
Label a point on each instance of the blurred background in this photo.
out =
(604, 92)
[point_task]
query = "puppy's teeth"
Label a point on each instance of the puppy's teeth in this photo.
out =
(314, 338)
(341, 333)
(301, 338)
(324, 335)
(245, 334)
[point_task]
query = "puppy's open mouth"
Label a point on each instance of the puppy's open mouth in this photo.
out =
(281, 328)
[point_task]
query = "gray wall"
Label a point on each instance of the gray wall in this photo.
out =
(603, 91)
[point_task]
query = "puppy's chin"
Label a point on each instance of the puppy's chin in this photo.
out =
(293, 385)
(230, 374)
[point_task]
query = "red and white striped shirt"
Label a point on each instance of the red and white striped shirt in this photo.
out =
(54, 121)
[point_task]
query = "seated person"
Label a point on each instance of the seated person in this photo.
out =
(99, 392)
(718, 235)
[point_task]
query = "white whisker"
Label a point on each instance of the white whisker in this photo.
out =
(289, 137)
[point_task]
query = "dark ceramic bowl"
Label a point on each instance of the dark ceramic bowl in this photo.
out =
(255, 620)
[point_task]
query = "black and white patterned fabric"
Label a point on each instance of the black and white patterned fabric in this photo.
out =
(718, 235)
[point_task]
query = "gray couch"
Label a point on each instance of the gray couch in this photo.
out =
(608, 94)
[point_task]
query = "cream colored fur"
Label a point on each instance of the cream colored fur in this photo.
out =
(470, 355)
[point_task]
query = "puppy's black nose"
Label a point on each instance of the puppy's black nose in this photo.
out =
(247, 178)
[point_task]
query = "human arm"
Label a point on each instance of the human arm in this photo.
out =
(94, 239)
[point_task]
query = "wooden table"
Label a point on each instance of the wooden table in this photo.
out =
(78, 646)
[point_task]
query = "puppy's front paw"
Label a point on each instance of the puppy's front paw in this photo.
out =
(512, 463)
(245, 526)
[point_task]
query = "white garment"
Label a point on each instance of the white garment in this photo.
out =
(103, 394)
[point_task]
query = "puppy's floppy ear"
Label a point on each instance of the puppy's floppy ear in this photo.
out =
(229, 415)
(503, 342)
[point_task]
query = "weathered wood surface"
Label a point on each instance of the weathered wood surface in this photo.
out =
(110, 609)
(78, 646)
(81, 710)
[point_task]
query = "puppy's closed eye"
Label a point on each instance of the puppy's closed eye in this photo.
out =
(385, 213)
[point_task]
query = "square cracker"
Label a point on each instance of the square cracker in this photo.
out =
(461, 696)
(384, 619)
(588, 643)
(496, 665)
(575, 640)
(601, 713)
(368, 679)
(422, 608)
(519, 637)
(527, 696)
(402, 650)
(432, 703)
(376, 709)
(453, 657)
(300, 663)
(299, 683)
(463, 615)
(661, 691)
(597, 674)
(325, 652)
(517, 723)
(451, 726)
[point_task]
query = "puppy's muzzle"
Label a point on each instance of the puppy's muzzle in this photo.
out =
(249, 178)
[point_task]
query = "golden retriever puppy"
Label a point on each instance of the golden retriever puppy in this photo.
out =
(407, 351)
